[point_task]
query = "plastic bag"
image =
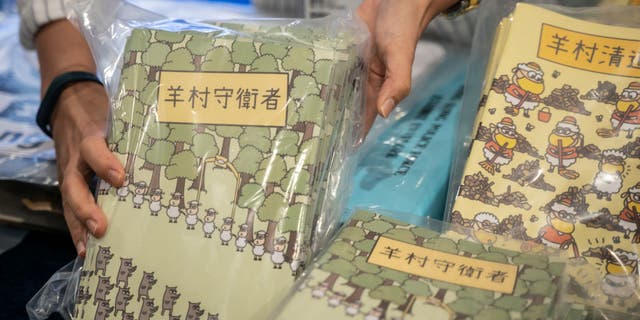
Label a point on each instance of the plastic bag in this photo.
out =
(382, 268)
(550, 157)
(234, 137)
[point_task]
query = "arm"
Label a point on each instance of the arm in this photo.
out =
(78, 126)
(395, 26)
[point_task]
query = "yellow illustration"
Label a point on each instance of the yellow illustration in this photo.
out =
(525, 89)
(562, 150)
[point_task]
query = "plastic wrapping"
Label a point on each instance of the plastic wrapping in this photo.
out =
(382, 268)
(234, 137)
(550, 156)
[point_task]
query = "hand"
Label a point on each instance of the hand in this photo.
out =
(78, 125)
(395, 26)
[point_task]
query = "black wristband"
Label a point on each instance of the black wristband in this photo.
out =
(50, 99)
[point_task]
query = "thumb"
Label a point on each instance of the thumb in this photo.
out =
(397, 82)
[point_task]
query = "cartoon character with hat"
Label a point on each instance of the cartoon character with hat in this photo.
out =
(561, 219)
(484, 225)
(208, 225)
(524, 92)
(498, 150)
(562, 150)
(154, 203)
(608, 180)
(138, 198)
(123, 190)
(173, 210)
(258, 245)
(225, 231)
(620, 281)
(241, 238)
(630, 214)
(192, 214)
(626, 116)
(277, 257)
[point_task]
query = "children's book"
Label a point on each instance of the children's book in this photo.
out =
(226, 138)
(554, 159)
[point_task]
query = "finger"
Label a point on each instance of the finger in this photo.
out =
(94, 151)
(397, 77)
(76, 229)
(76, 193)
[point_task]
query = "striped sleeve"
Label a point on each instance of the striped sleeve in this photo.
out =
(36, 13)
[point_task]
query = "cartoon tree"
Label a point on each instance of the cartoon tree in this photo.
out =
(403, 235)
(338, 268)
(308, 155)
(169, 38)
(343, 250)
(540, 284)
(304, 85)
(293, 224)
(133, 77)
(351, 234)
(265, 63)
(296, 183)
(443, 288)
(247, 163)
(415, 288)
(182, 166)
(154, 57)
(203, 146)
(138, 42)
(243, 53)
(322, 74)
(158, 155)
(299, 59)
(251, 198)
(361, 282)
(311, 113)
(128, 109)
(257, 137)
(423, 234)
(273, 209)
(272, 171)
(218, 59)
(149, 95)
(286, 143)
(227, 133)
(275, 49)
(199, 45)
(375, 228)
(179, 59)
(388, 294)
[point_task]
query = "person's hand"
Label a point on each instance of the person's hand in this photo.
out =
(78, 126)
(395, 26)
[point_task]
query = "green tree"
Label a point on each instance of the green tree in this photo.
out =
(299, 59)
(351, 234)
(423, 234)
(403, 235)
(361, 282)
(257, 137)
(170, 38)
(199, 45)
(442, 244)
(138, 42)
(149, 95)
(218, 59)
(265, 63)
(182, 166)
(272, 171)
(286, 143)
(292, 224)
(296, 183)
(227, 133)
(338, 268)
(158, 155)
(133, 77)
(243, 53)
(322, 74)
(388, 294)
(251, 198)
(247, 163)
(415, 288)
(203, 146)
(272, 211)
(310, 114)
(274, 48)
(308, 155)
(304, 85)
(376, 227)
(179, 59)
(154, 58)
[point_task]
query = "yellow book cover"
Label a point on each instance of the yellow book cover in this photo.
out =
(555, 156)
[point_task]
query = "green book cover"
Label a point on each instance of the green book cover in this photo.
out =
(382, 268)
(226, 138)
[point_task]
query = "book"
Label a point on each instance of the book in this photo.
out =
(226, 137)
(553, 160)
(382, 268)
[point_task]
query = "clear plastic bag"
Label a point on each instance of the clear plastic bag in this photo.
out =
(235, 138)
(548, 158)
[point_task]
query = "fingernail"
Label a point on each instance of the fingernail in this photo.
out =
(387, 106)
(114, 175)
(80, 247)
(92, 225)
